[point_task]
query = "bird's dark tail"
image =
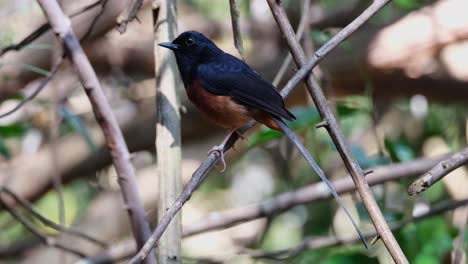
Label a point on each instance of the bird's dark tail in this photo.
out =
(292, 136)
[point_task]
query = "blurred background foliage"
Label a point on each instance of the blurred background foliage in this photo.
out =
(381, 131)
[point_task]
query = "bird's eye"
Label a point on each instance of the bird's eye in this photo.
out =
(189, 41)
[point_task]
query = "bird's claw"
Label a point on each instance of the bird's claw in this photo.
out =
(219, 151)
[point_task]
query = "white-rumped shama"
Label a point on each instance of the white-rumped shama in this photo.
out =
(230, 93)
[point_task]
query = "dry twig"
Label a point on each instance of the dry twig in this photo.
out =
(439, 171)
(105, 117)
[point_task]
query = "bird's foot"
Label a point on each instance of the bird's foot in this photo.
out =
(219, 150)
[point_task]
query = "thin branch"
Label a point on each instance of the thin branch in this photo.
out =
(105, 117)
(128, 15)
(67, 230)
(199, 175)
(321, 242)
(333, 128)
(439, 171)
(46, 239)
(238, 43)
(39, 88)
(305, 195)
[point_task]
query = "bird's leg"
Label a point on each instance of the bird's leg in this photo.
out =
(220, 148)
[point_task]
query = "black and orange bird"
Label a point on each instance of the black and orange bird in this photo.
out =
(230, 94)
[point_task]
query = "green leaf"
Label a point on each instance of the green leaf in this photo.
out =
(14, 130)
(4, 152)
(33, 68)
(368, 161)
(399, 149)
(409, 5)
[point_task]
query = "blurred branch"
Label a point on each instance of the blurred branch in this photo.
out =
(168, 130)
(439, 171)
(128, 14)
(46, 239)
(332, 126)
(30, 209)
(39, 88)
(321, 242)
(238, 43)
(105, 117)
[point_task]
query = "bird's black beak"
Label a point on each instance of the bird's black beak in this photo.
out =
(169, 45)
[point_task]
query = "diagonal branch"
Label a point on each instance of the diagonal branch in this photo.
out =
(105, 117)
(439, 171)
(333, 128)
(199, 175)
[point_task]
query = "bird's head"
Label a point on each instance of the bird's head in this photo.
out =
(192, 46)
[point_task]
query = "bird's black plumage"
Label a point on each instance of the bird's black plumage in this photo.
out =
(220, 73)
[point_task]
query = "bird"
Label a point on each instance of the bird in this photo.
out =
(230, 93)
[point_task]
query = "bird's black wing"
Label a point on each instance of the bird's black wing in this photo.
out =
(231, 76)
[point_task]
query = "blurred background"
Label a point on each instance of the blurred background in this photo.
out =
(399, 87)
